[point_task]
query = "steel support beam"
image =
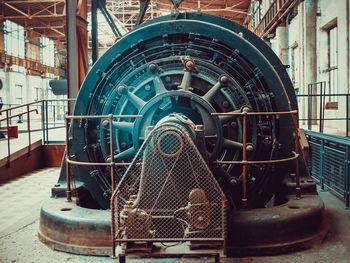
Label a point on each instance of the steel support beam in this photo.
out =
(94, 34)
(72, 46)
(108, 17)
(143, 7)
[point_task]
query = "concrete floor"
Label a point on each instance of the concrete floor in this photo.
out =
(20, 203)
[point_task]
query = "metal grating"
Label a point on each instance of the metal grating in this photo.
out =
(168, 193)
(315, 160)
(329, 163)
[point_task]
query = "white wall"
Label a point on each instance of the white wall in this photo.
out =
(328, 12)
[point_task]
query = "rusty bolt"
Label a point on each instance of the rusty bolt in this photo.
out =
(189, 65)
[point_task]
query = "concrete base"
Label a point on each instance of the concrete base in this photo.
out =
(297, 224)
(67, 227)
(294, 225)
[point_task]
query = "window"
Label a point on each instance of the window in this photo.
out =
(333, 62)
(48, 51)
(14, 39)
(14, 42)
(18, 94)
(257, 14)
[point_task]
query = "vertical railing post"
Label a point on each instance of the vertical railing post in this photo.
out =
(322, 164)
(347, 178)
(347, 115)
(10, 105)
(244, 199)
(320, 118)
(47, 122)
(297, 185)
(43, 119)
(69, 192)
(54, 115)
(309, 107)
(8, 139)
(29, 134)
(110, 119)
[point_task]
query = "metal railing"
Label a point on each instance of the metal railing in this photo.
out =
(111, 164)
(40, 107)
(330, 163)
(317, 104)
(245, 162)
(277, 10)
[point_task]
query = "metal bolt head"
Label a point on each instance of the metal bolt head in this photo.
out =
(223, 79)
(122, 89)
(105, 124)
(152, 67)
(250, 147)
(189, 65)
(245, 109)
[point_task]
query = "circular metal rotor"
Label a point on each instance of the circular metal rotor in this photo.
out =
(194, 65)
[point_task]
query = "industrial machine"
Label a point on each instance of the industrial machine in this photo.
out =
(184, 131)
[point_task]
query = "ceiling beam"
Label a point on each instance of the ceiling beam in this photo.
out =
(16, 9)
(29, 17)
